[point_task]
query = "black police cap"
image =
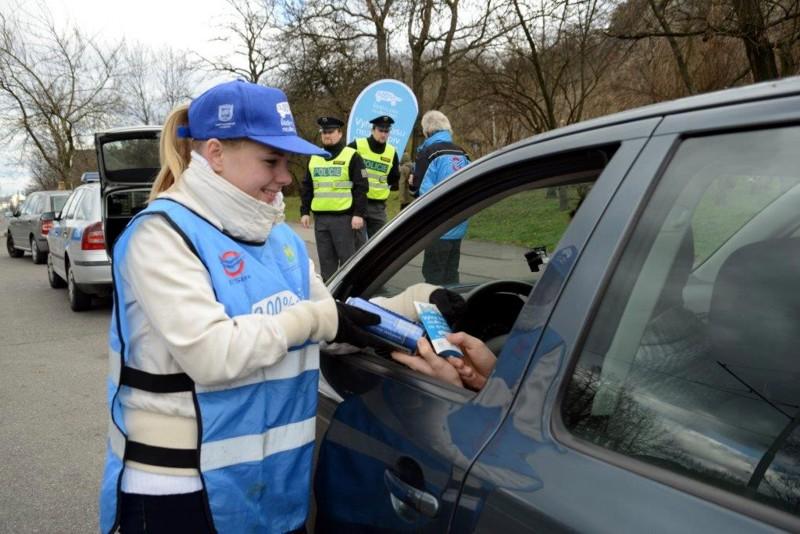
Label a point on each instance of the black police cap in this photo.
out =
(383, 120)
(329, 122)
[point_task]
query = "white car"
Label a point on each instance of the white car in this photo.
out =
(78, 258)
(387, 96)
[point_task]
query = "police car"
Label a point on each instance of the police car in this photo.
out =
(647, 374)
(78, 259)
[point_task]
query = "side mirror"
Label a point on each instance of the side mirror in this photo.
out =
(15, 212)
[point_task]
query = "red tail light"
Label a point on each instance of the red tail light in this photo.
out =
(93, 238)
(45, 226)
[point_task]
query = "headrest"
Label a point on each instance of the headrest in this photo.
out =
(755, 313)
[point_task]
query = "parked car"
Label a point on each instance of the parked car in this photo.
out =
(29, 225)
(78, 259)
(128, 159)
(647, 378)
(646, 375)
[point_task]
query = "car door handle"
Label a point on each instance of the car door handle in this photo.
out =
(415, 498)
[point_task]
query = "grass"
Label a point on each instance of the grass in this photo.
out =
(526, 219)
(727, 205)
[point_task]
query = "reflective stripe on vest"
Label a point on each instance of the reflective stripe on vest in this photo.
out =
(331, 179)
(378, 167)
(256, 431)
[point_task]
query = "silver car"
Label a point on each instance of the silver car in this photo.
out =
(29, 224)
(78, 258)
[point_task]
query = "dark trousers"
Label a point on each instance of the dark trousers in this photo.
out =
(336, 241)
(167, 514)
(375, 218)
(440, 262)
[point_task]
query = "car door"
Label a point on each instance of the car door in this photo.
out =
(399, 442)
(128, 161)
(14, 222)
(57, 237)
(652, 404)
(73, 231)
(19, 225)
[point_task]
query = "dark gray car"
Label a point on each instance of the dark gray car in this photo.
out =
(646, 377)
(30, 223)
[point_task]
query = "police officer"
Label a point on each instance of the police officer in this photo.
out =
(380, 159)
(335, 190)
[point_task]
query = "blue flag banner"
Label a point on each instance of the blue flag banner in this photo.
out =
(384, 97)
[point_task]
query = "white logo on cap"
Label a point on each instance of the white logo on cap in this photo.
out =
(387, 96)
(283, 109)
(225, 112)
(287, 121)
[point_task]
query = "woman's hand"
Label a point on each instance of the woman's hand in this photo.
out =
(429, 363)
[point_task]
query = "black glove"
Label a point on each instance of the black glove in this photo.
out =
(451, 304)
(352, 321)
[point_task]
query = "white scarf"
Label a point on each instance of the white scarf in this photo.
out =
(225, 205)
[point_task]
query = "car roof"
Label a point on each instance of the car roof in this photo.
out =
(129, 129)
(726, 97)
(52, 192)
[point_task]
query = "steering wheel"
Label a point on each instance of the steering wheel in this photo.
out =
(492, 309)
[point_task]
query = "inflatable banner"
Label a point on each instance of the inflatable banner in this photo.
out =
(384, 97)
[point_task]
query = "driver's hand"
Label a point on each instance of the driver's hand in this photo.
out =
(478, 362)
(429, 363)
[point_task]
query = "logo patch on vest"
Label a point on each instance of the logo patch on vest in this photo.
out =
(289, 253)
(338, 162)
(387, 160)
(232, 263)
(458, 162)
(274, 304)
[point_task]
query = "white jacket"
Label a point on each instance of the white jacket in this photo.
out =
(176, 324)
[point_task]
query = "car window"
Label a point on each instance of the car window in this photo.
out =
(27, 207)
(68, 204)
(495, 243)
(57, 202)
(708, 391)
(88, 208)
(75, 199)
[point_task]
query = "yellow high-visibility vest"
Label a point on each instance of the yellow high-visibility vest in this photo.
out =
(378, 166)
(331, 179)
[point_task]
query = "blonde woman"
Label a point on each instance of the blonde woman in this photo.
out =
(214, 336)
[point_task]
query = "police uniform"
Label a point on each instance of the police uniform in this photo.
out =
(382, 165)
(335, 190)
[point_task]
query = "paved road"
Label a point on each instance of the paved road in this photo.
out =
(52, 417)
(52, 399)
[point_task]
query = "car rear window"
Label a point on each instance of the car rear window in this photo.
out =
(131, 160)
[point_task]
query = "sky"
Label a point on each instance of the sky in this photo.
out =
(180, 24)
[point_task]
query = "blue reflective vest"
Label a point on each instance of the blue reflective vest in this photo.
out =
(257, 433)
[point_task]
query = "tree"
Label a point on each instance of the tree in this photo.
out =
(56, 87)
(250, 33)
(762, 28)
(155, 81)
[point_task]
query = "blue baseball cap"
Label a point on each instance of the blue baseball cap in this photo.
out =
(244, 110)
